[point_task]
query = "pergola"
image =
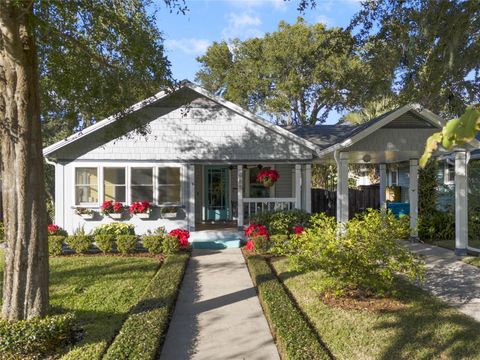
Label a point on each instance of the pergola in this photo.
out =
(397, 136)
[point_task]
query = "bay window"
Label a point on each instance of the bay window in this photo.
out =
(86, 185)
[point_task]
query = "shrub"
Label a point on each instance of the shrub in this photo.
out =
(280, 245)
(144, 330)
(436, 225)
(153, 243)
(261, 244)
(294, 337)
(55, 230)
(126, 243)
(105, 242)
(36, 337)
(182, 237)
(364, 256)
(115, 228)
(282, 221)
(170, 245)
(55, 244)
(80, 243)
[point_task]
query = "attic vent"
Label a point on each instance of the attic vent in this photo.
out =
(409, 121)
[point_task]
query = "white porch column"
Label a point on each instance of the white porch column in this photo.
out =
(298, 186)
(342, 188)
(240, 196)
(191, 197)
(60, 205)
(461, 203)
(308, 188)
(383, 186)
(413, 198)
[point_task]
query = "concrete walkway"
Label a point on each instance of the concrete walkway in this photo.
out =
(452, 280)
(218, 315)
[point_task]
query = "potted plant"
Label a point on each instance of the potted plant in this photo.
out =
(141, 209)
(268, 177)
(85, 213)
(169, 212)
(113, 209)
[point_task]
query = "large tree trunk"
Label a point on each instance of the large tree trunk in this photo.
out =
(25, 280)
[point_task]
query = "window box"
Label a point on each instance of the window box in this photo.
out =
(116, 216)
(85, 213)
(143, 215)
(87, 216)
(169, 212)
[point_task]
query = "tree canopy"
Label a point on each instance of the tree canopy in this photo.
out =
(297, 74)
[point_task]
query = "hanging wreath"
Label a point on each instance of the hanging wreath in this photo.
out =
(268, 177)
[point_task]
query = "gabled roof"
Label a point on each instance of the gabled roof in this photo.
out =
(164, 94)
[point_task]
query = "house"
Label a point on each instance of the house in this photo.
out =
(199, 154)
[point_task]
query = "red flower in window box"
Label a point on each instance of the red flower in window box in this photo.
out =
(268, 177)
(181, 235)
(55, 230)
(111, 207)
(256, 230)
(140, 207)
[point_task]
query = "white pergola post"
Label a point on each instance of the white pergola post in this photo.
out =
(383, 186)
(413, 198)
(191, 197)
(342, 188)
(298, 186)
(240, 197)
(308, 188)
(461, 203)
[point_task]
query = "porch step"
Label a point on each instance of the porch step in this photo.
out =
(216, 239)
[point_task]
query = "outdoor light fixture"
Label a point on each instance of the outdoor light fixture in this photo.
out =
(367, 158)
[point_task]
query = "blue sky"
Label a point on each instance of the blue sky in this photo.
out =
(188, 36)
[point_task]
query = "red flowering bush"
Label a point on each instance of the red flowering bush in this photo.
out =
(249, 245)
(268, 177)
(298, 230)
(111, 207)
(181, 235)
(55, 230)
(256, 230)
(140, 207)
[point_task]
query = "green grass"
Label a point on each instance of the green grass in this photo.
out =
(475, 261)
(146, 327)
(294, 337)
(425, 328)
(100, 290)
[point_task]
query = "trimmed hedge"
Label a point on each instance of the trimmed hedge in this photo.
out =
(80, 243)
(36, 337)
(126, 244)
(153, 243)
(105, 242)
(55, 244)
(170, 245)
(146, 327)
(295, 339)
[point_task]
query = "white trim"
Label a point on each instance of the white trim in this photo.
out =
(413, 198)
(446, 179)
(74, 181)
(191, 196)
(424, 113)
(298, 186)
(308, 188)
(383, 186)
(240, 198)
(461, 202)
(184, 84)
(342, 187)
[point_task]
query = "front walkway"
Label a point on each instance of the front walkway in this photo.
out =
(218, 315)
(452, 280)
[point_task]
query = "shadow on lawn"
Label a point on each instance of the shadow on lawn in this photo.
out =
(430, 329)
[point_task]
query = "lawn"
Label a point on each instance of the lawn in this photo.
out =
(418, 326)
(100, 290)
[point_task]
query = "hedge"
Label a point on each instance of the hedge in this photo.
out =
(34, 338)
(55, 244)
(105, 242)
(146, 327)
(126, 244)
(294, 338)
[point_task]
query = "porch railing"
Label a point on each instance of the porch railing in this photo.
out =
(252, 206)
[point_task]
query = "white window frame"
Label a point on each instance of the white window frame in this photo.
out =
(103, 181)
(140, 166)
(247, 182)
(446, 173)
(99, 188)
(181, 175)
(391, 177)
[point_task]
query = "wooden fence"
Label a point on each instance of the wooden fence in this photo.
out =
(358, 200)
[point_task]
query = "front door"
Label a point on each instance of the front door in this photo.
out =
(217, 197)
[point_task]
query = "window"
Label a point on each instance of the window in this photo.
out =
(257, 190)
(449, 173)
(142, 184)
(394, 178)
(86, 186)
(168, 185)
(114, 184)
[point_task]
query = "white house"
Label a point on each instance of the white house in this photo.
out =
(199, 153)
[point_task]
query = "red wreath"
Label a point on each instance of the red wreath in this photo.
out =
(268, 177)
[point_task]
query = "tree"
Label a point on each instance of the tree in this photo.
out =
(297, 74)
(369, 112)
(94, 37)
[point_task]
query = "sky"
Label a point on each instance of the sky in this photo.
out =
(188, 36)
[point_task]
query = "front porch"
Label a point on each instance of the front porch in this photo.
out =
(226, 196)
